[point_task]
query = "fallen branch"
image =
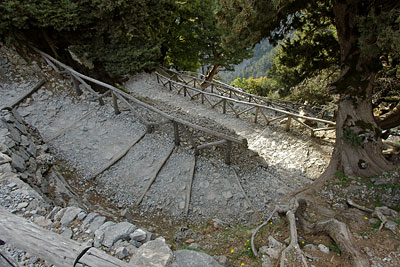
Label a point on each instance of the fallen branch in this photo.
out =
(27, 94)
(243, 192)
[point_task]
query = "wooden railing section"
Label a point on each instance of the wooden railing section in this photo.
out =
(117, 94)
(234, 101)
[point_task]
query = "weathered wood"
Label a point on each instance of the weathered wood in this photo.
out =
(324, 129)
(119, 156)
(137, 115)
(25, 95)
(256, 115)
(115, 104)
(243, 192)
(267, 107)
(176, 133)
(246, 110)
(216, 143)
(140, 103)
(216, 104)
(68, 127)
(153, 178)
(47, 245)
(224, 106)
(75, 84)
(288, 122)
(228, 152)
(189, 186)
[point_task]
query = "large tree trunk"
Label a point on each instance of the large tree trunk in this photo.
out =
(210, 76)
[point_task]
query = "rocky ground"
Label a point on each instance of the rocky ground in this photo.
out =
(220, 219)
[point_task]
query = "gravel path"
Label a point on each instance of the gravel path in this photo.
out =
(95, 140)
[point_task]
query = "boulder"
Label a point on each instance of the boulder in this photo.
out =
(70, 215)
(155, 253)
(116, 232)
(190, 258)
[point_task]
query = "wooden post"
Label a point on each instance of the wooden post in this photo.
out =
(224, 106)
(194, 83)
(230, 93)
(212, 88)
(312, 133)
(176, 133)
(101, 101)
(170, 85)
(287, 127)
(228, 152)
(75, 83)
(202, 98)
(184, 91)
(115, 104)
(158, 78)
(255, 116)
(250, 99)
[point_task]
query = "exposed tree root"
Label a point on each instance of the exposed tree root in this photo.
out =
(379, 212)
(338, 231)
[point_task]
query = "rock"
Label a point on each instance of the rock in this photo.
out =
(310, 247)
(222, 260)
(89, 219)
(67, 233)
(121, 252)
(273, 249)
(194, 246)
(18, 162)
(135, 243)
(219, 224)
(53, 212)
(116, 232)
(323, 248)
(266, 261)
(138, 235)
(190, 258)
(81, 215)
(42, 221)
(22, 205)
(227, 194)
(153, 253)
(96, 223)
(4, 158)
(70, 215)
(98, 238)
(59, 214)
(391, 225)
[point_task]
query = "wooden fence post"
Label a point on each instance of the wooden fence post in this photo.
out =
(224, 106)
(184, 91)
(170, 85)
(228, 152)
(255, 116)
(115, 104)
(202, 98)
(101, 101)
(158, 78)
(287, 127)
(76, 85)
(212, 88)
(176, 133)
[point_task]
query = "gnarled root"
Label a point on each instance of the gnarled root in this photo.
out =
(379, 212)
(337, 230)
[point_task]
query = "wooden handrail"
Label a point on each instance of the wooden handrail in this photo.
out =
(241, 141)
(250, 104)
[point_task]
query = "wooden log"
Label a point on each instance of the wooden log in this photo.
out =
(25, 95)
(47, 245)
(243, 192)
(267, 121)
(189, 186)
(75, 84)
(234, 110)
(324, 129)
(115, 104)
(224, 106)
(216, 104)
(68, 127)
(153, 178)
(216, 143)
(142, 104)
(117, 157)
(228, 152)
(256, 115)
(176, 133)
(288, 122)
(277, 118)
(137, 115)
(246, 110)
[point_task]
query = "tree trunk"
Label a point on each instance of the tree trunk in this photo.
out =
(210, 76)
(358, 148)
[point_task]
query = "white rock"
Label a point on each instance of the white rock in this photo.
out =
(323, 248)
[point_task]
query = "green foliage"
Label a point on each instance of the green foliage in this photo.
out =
(334, 247)
(351, 137)
(261, 86)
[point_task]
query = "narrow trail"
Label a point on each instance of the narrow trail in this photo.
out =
(88, 136)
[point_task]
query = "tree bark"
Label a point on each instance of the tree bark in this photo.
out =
(390, 119)
(210, 76)
(358, 148)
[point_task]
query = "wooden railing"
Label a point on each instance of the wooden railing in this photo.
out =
(237, 102)
(117, 94)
